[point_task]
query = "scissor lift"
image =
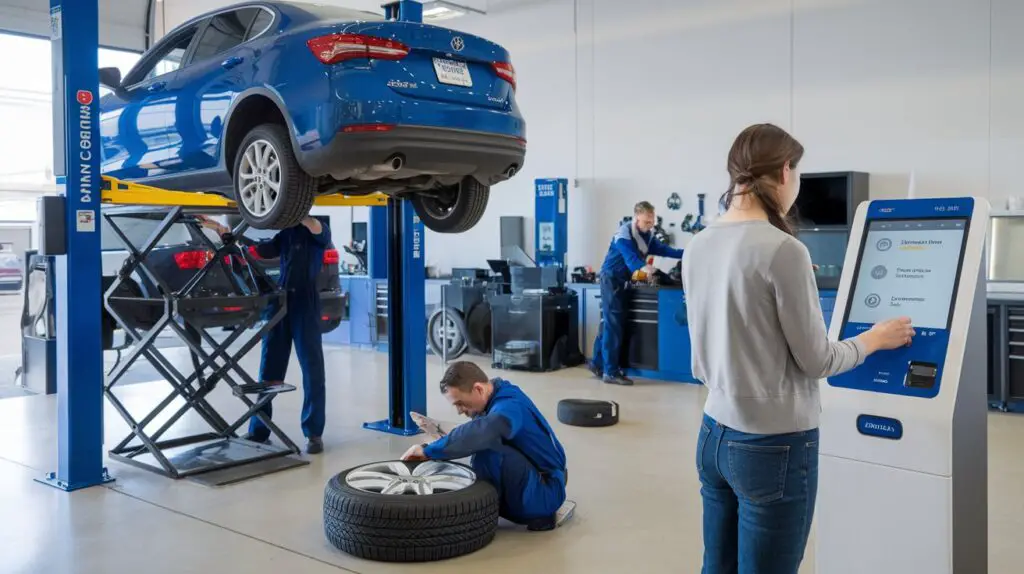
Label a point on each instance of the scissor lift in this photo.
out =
(189, 314)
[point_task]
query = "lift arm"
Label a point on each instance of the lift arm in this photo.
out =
(116, 191)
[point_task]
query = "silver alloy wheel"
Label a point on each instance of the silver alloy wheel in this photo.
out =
(446, 331)
(260, 178)
(431, 477)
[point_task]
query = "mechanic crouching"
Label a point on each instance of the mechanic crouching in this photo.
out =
(301, 252)
(511, 444)
(627, 254)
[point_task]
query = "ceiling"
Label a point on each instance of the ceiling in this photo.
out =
(122, 22)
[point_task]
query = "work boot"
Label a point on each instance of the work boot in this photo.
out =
(619, 379)
(314, 445)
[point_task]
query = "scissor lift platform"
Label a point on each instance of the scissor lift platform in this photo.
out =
(186, 313)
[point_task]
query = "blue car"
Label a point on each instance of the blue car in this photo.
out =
(274, 103)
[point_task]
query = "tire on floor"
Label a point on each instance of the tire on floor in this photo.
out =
(588, 412)
(396, 511)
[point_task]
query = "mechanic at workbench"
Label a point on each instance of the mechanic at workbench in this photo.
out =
(627, 254)
(512, 445)
(301, 252)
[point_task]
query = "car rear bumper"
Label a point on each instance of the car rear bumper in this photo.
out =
(423, 150)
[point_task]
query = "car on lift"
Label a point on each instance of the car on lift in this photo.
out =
(178, 256)
(274, 103)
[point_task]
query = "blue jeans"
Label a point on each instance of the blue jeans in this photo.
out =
(758, 493)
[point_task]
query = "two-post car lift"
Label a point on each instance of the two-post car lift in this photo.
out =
(80, 377)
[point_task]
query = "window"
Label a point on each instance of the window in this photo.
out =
(120, 59)
(225, 31)
(263, 21)
(165, 60)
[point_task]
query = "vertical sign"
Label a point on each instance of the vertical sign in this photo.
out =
(74, 33)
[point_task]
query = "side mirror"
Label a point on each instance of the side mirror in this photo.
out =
(110, 77)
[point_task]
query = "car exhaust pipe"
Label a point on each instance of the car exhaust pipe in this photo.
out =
(511, 171)
(396, 162)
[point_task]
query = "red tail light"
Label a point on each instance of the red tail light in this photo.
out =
(325, 318)
(334, 48)
(252, 251)
(506, 72)
(364, 128)
(331, 257)
(231, 309)
(192, 259)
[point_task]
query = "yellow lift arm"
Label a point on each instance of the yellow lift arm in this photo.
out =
(118, 192)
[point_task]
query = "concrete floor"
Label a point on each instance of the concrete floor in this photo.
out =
(639, 505)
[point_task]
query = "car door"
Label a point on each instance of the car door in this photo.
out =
(135, 118)
(219, 68)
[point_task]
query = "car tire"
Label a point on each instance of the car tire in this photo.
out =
(296, 188)
(478, 328)
(459, 341)
(588, 413)
(452, 209)
(362, 521)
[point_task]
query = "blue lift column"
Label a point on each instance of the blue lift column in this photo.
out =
(407, 334)
(74, 29)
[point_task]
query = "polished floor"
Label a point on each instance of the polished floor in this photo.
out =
(639, 506)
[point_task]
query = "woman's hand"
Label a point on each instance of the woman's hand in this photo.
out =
(887, 335)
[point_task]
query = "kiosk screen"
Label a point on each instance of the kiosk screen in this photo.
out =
(908, 268)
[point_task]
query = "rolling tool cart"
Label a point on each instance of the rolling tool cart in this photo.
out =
(214, 286)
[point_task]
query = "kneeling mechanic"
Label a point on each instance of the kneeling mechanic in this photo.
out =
(511, 444)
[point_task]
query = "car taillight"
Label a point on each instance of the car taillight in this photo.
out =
(334, 48)
(506, 72)
(364, 128)
(331, 257)
(252, 251)
(192, 259)
(325, 318)
(231, 309)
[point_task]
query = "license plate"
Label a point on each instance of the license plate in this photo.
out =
(452, 73)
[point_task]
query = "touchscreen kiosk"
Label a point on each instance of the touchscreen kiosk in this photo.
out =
(902, 478)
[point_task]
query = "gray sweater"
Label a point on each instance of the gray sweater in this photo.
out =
(758, 336)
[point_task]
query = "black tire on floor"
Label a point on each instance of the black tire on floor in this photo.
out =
(478, 328)
(588, 413)
(411, 528)
(453, 209)
(460, 342)
(297, 188)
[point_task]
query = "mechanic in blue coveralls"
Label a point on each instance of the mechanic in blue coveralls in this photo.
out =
(627, 254)
(512, 445)
(301, 252)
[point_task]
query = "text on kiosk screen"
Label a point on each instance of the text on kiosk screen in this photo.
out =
(908, 268)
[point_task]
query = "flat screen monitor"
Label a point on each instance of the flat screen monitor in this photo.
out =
(908, 267)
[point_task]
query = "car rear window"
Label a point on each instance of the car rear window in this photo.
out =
(138, 230)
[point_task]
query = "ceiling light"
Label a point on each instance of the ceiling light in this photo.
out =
(436, 10)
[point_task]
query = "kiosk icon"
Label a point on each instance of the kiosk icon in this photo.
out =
(884, 244)
(873, 300)
(879, 272)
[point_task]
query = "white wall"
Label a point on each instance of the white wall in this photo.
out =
(638, 99)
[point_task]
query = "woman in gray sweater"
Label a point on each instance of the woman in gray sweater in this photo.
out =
(760, 346)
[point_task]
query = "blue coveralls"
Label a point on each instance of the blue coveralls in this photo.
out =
(513, 448)
(302, 255)
(623, 259)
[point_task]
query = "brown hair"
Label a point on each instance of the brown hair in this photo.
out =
(462, 375)
(755, 164)
(643, 207)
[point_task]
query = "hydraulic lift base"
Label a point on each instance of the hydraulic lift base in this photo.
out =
(385, 426)
(206, 452)
(51, 480)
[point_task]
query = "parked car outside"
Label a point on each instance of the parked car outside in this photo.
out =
(12, 272)
(273, 103)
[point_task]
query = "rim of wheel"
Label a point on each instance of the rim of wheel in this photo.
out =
(395, 478)
(259, 177)
(445, 330)
(441, 204)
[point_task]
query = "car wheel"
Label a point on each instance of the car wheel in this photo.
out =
(478, 328)
(409, 511)
(452, 209)
(271, 189)
(588, 413)
(450, 333)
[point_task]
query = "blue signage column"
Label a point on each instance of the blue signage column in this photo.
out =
(551, 212)
(74, 32)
